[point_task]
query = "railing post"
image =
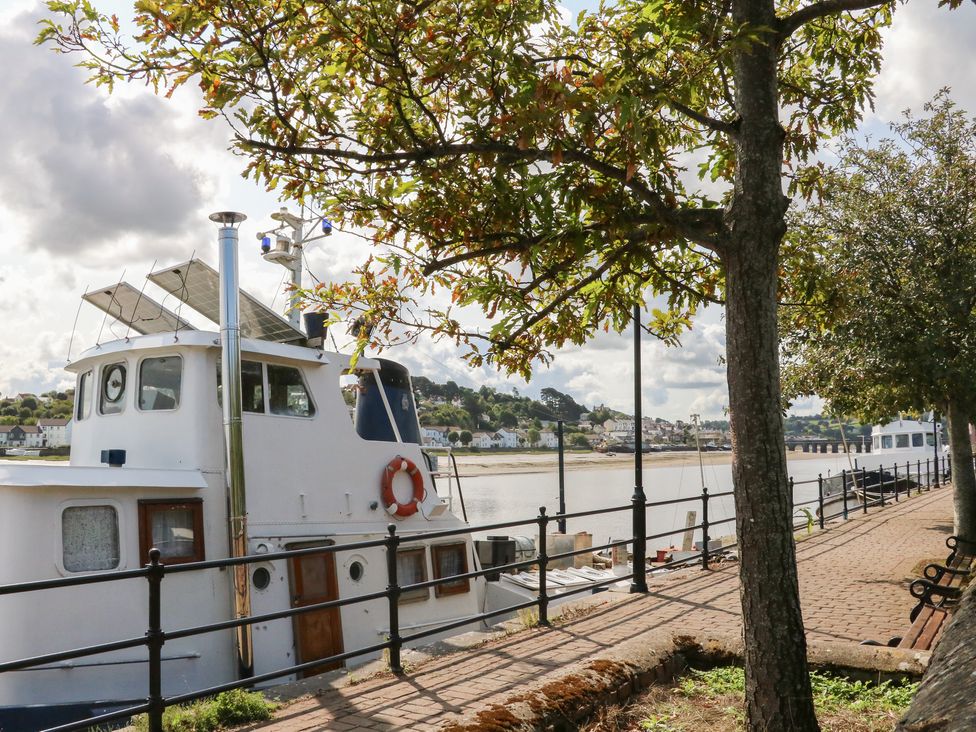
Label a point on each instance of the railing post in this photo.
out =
(561, 523)
(864, 489)
(543, 557)
(843, 478)
(919, 479)
(155, 638)
(928, 475)
(705, 537)
(393, 596)
(820, 498)
(895, 471)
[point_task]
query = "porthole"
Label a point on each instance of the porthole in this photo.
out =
(356, 571)
(261, 578)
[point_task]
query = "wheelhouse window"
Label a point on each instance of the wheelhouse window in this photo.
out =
(929, 439)
(173, 527)
(160, 382)
(252, 386)
(918, 439)
(90, 538)
(83, 406)
(287, 394)
(111, 398)
(875, 442)
(886, 442)
(412, 569)
(450, 560)
(901, 440)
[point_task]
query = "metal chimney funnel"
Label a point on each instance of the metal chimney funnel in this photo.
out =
(230, 348)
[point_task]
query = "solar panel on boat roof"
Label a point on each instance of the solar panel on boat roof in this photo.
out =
(198, 285)
(133, 308)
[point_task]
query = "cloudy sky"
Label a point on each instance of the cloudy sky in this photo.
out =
(95, 186)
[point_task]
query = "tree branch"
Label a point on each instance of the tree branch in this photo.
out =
(785, 27)
(729, 128)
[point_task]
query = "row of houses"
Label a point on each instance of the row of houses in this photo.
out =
(437, 436)
(46, 433)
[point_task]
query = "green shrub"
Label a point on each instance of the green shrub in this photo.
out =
(228, 709)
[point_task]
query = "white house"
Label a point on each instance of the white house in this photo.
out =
(434, 437)
(483, 440)
(507, 439)
(57, 432)
(548, 439)
(17, 435)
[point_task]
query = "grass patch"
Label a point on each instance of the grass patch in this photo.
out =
(712, 701)
(226, 710)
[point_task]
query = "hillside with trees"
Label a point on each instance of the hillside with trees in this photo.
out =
(26, 409)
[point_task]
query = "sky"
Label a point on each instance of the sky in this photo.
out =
(94, 187)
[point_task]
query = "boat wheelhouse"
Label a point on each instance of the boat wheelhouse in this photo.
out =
(150, 467)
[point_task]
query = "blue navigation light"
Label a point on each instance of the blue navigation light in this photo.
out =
(266, 244)
(326, 227)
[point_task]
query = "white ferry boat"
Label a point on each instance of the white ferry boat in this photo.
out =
(902, 441)
(158, 460)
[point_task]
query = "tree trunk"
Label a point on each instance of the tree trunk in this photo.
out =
(963, 475)
(778, 694)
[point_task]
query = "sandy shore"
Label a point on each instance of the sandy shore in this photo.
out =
(539, 462)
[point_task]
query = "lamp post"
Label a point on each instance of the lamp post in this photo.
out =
(639, 583)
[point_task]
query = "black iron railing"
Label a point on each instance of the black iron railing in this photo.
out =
(852, 483)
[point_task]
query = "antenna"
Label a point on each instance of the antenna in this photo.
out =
(75, 326)
(179, 308)
(99, 338)
(138, 300)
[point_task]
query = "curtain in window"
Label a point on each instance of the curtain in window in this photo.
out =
(172, 532)
(90, 538)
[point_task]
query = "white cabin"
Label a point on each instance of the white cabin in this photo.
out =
(148, 469)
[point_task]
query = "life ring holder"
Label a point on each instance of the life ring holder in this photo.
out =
(397, 464)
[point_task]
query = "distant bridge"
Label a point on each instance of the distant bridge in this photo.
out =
(816, 444)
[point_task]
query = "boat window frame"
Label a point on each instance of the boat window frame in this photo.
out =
(455, 588)
(423, 593)
(891, 442)
(82, 402)
(921, 439)
(145, 507)
(266, 390)
(59, 534)
(313, 408)
(898, 440)
(139, 365)
(123, 397)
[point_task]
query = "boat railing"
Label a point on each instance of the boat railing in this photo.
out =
(156, 571)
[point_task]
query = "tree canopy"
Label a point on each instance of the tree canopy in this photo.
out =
(886, 259)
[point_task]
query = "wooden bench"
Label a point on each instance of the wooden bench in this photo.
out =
(937, 593)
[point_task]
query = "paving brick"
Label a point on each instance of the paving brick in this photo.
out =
(853, 586)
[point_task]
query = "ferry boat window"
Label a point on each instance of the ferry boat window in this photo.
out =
(901, 440)
(929, 439)
(287, 393)
(252, 386)
(173, 527)
(411, 570)
(90, 538)
(450, 560)
(159, 383)
(886, 442)
(84, 396)
(111, 399)
(876, 443)
(918, 439)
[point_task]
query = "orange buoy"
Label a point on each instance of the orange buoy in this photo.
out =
(393, 508)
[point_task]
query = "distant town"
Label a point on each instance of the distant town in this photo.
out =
(458, 416)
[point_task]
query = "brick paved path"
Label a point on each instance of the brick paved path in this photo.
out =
(853, 586)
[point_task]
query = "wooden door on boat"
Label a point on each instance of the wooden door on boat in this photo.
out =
(318, 634)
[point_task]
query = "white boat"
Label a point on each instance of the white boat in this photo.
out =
(150, 467)
(903, 447)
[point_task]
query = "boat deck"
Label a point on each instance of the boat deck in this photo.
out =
(853, 583)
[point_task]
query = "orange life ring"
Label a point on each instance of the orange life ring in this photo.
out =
(386, 487)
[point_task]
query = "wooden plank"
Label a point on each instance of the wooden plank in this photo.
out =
(932, 628)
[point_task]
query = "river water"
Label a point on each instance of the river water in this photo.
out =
(495, 498)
